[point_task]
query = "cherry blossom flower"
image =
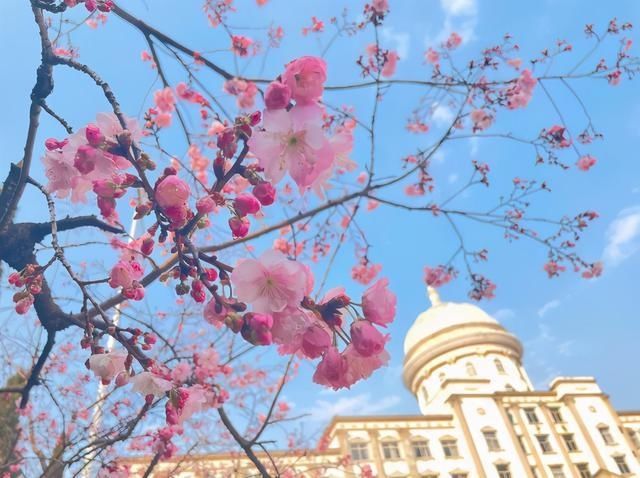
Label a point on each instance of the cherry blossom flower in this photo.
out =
(148, 383)
(481, 119)
(585, 163)
(277, 96)
(366, 338)
(438, 276)
(293, 141)
(305, 78)
(107, 366)
(552, 268)
(379, 303)
(271, 283)
(164, 100)
(332, 370)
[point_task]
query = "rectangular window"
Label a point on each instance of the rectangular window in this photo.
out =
(491, 438)
(534, 472)
(522, 445)
(556, 471)
(543, 440)
(503, 471)
(450, 448)
(359, 451)
(531, 415)
(459, 475)
(583, 469)
(606, 435)
(556, 415)
(570, 442)
(622, 464)
(634, 437)
(390, 450)
(421, 449)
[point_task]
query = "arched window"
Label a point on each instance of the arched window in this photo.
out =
(471, 370)
(441, 377)
(499, 366)
(425, 395)
(509, 388)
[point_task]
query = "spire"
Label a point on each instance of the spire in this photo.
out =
(434, 297)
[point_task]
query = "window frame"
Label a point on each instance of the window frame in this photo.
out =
(391, 446)
(499, 366)
(570, 442)
(621, 462)
(607, 437)
(416, 444)
(582, 469)
(555, 469)
(452, 445)
(531, 415)
(547, 443)
(491, 439)
(505, 472)
(362, 445)
(556, 415)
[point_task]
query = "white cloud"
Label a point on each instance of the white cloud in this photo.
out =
(460, 16)
(442, 115)
(399, 41)
(623, 236)
(459, 7)
(362, 404)
(553, 304)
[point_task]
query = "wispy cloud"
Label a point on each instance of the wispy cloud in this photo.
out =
(398, 41)
(623, 236)
(460, 16)
(362, 404)
(552, 304)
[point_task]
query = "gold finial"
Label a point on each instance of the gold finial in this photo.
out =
(434, 297)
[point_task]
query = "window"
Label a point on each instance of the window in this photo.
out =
(425, 396)
(622, 464)
(556, 415)
(634, 437)
(509, 388)
(556, 471)
(359, 451)
(606, 435)
(570, 442)
(450, 448)
(441, 377)
(543, 440)
(459, 475)
(491, 438)
(531, 415)
(521, 441)
(421, 449)
(471, 370)
(390, 450)
(503, 471)
(499, 366)
(583, 470)
(534, 472)
(510, 416)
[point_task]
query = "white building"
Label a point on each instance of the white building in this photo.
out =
(480, 417)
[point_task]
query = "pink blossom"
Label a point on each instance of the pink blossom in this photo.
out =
(552, 268)
(172, 192)
(163, 120)
(332, 370)
(595, 270)
(215, 313)
(239, 226)
(107, 366)
(270, 283)
(289, 327)
(366, 338)
(164, 100)
(181, 372)
(389, 68)
(305, 78)
(481, 119)
(257, 329)
(360, 367)
(438, 276)
(379, 303)
(315, 340)
(206, 205)
(380, 6)
(94, 135)
(148, 383)
(365, 272)
(519, 95)
(585, 163)
(245, 204)
(277, 96)
(453, 41)
(241, 44)
(265, 193)
(294, 141)
(125, 273)
(432, 56)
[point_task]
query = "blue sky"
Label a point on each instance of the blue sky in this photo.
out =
(568, 326)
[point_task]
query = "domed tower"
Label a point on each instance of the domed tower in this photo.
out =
(457, 348)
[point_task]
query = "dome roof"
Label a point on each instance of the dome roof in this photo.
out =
(441, 316)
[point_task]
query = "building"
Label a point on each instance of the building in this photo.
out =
(480, 417)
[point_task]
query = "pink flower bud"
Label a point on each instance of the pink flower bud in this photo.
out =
(94, 135)
(257, 329)
(172, 191)
(277, 96)
(53, 143)
(366, 339)
(85, 159)
(147, 246)
(205, 205)
(265, 193)
(246, 204)
(239, 226)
